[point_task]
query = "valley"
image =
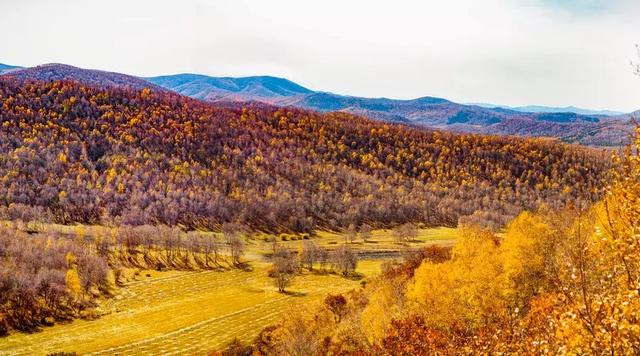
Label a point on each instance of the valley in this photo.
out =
(200, 311)
(319, 178)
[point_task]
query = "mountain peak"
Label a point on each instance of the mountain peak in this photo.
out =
(6, 68)
(57, 71)
(568, 123)
(229, 88)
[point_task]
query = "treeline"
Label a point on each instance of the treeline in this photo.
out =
(47, 276)
(287, 264)
(71, 153)
(555, 282)
(44, 279)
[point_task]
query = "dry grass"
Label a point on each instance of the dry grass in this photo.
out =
(182, 312)
(178, 312)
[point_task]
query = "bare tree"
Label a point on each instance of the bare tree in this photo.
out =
(92, 271)
(147, 235)
(411, 231)
(210, 245)
(345, 260)
(365, 232)
(350, 234)
(323, 257)
(309, 255)
(285, 268)
(236, 249)
(405, 232)
(235, 244)
(194, 244)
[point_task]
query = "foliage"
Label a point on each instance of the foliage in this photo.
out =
(73, 153)
(285, 267)
(45, 278)
(337, 305)
(345, 260)
(554, 282)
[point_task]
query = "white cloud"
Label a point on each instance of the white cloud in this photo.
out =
(552, 52)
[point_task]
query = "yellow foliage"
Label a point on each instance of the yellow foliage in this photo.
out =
(470, 289)
(80, 231)
(526, 250)
(71, 259)
(383, 306)
(73, 282)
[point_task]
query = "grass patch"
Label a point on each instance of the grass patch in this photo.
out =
(159, 312)
(178, 310)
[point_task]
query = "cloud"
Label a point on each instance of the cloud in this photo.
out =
(511, 52)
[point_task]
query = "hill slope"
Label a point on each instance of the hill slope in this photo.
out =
(99, 78)
(551, 109)
(76, 153)
(595, 130)
(241, 89)
(583, 127)
(5, 68)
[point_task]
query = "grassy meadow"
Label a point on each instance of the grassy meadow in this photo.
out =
(192, 312)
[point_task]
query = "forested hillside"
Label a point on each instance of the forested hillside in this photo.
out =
(74, 153)
(587, 128)
(555, 282)
(100, 78)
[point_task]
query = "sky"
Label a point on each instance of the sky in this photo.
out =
(507, 52)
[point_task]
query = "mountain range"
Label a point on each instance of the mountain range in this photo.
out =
(552, 109)
(5, 68)
(98, 78)
(573, 125)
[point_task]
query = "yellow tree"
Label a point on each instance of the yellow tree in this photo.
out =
(468, 290)
(600, 280)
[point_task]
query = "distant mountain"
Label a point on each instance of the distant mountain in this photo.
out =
(573, 109)
(551, 109)
(569, 124)
(575, 127)
(5, 68)
(424, 111)
(55, 71)
(225, 88)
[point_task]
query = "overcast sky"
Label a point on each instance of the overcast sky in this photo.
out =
(512, 52)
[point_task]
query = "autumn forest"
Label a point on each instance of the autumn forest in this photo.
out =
(199, 213)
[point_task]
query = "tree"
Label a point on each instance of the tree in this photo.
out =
(210, 245)
(598, 270)
(337, 304)
(345, 260)
(236, 249)
(470, 286)
(237, 348)
(365, 232)
(323, 257)
(285, 268)
(232, 233)
(528, 252)
(350, 234)
(405, 232)
(310, 254)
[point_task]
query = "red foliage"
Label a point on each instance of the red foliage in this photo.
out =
(83, 154)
